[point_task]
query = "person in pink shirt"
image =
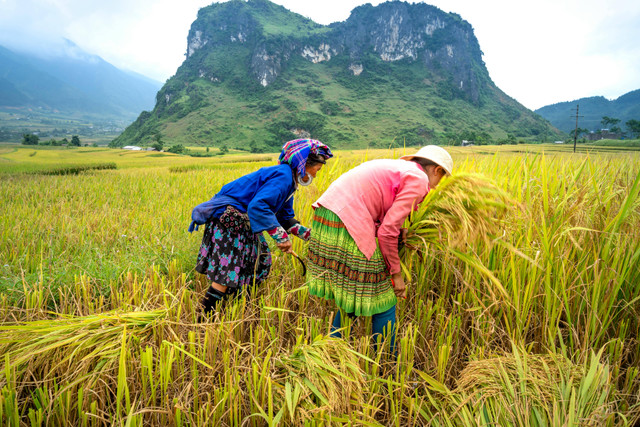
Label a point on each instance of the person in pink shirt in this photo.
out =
(353, 251)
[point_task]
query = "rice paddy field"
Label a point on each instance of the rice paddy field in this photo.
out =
(536, 324)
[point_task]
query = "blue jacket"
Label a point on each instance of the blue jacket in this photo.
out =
(266, 195)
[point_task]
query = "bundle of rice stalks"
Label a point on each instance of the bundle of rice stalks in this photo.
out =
(461, 209)
(70, 348)
(529, 389)
(323, 377)
(535, 377)
(526, 389)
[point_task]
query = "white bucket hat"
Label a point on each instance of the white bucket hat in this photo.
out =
(437, 155)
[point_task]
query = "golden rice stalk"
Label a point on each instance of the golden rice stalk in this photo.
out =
(536, 376)
(70, 348)
(461, 209)
(526, 387)
(322, 377)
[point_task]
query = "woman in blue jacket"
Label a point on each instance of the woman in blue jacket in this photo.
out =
(234, 253)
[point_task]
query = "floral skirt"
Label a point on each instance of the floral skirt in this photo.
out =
(233, 256)
(339, 271)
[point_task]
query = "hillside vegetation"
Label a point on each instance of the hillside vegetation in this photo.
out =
(257, 75)
(592, 110)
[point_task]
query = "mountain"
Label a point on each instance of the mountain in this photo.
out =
(563, 114)
(72, 81)
(256, 75)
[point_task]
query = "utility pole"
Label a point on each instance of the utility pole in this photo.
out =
(575, 134)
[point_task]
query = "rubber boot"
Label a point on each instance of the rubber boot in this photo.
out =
(210, 302)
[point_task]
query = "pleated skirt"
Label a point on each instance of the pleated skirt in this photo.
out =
(339, 271)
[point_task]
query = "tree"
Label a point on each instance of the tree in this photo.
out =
(224, 149)
(483, 138)
(634, 127)
(510, 139)
(177, 149)
(580, 132)
(75, 141)
(158, 144)
(30, 139)
(608, 122)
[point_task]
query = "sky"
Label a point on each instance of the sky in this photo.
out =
(539, 52)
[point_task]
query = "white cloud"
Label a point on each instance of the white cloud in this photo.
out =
(148, 36)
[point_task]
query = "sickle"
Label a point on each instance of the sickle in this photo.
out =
(304, 267)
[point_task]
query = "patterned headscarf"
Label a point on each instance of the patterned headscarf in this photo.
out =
(295, 153)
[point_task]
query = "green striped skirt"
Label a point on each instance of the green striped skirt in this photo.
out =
(339, 271)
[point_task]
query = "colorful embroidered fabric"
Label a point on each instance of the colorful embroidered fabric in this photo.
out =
(233, 259)
(339, 271)
(301, 231)
(233, 219)
(278, 234)
(295, 153)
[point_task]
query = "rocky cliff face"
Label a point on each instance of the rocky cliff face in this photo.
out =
(394, 31)
(398, 31)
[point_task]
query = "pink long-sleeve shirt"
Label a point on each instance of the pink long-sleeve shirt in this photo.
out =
(379, 192)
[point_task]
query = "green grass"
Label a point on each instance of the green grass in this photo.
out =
(596, 147)
(623, 143)
(279, 24)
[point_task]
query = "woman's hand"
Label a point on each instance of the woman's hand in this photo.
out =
(399, 287)
(285, 247)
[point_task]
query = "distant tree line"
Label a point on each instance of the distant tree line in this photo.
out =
(31, 139)
(611, 124)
